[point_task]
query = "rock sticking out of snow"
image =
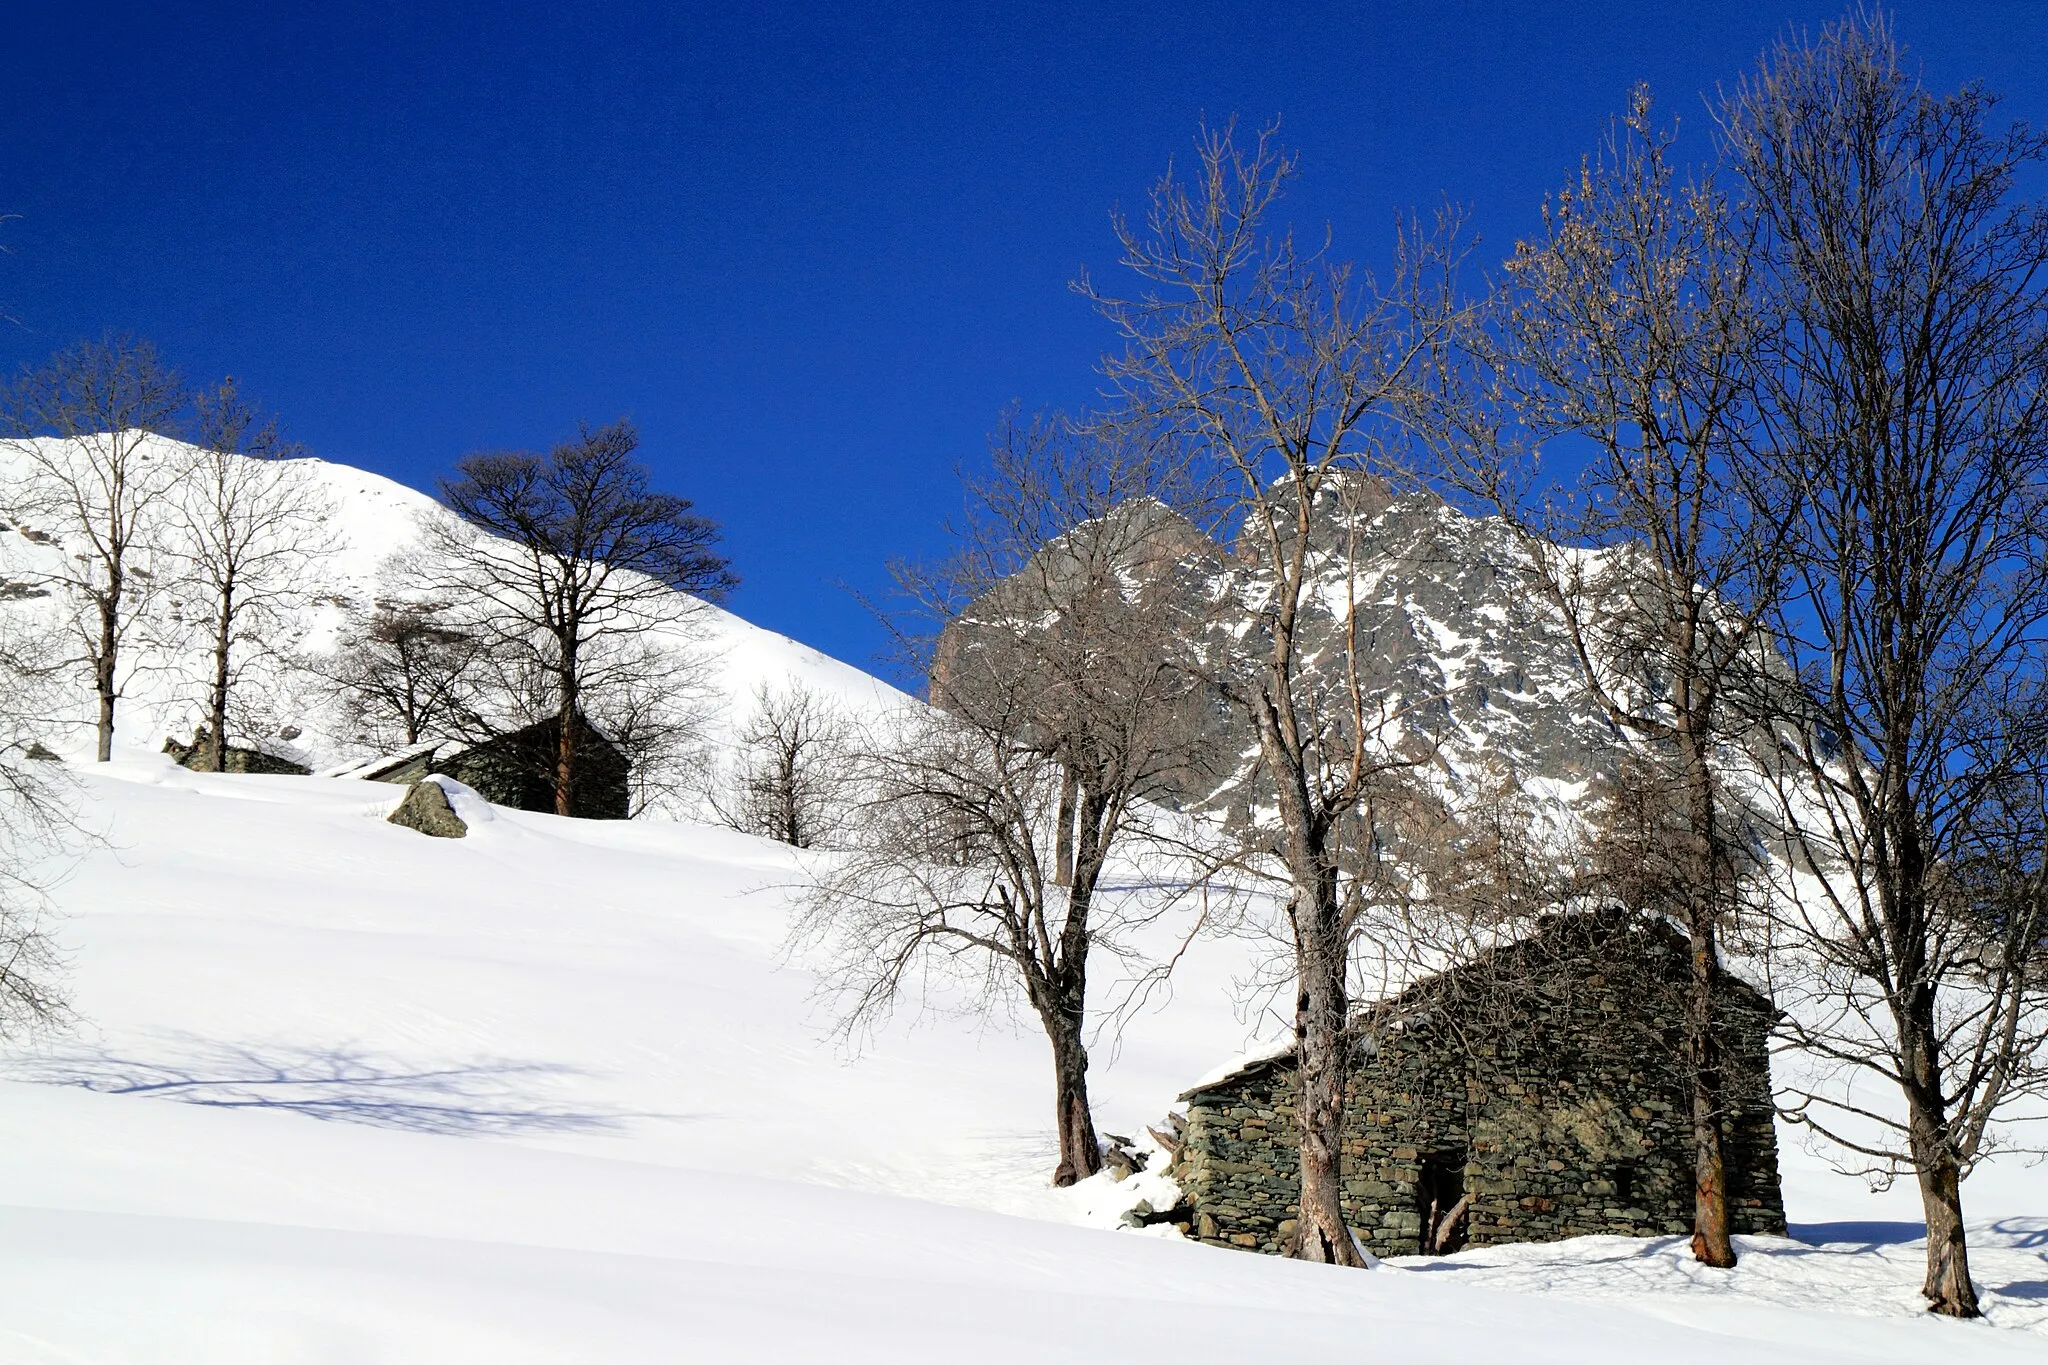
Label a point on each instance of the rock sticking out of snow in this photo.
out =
(426, 809)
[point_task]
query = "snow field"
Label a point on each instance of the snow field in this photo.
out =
(551, 1093)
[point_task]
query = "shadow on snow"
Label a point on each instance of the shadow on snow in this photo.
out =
(343, 1084)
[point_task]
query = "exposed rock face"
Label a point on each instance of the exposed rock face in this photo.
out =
(1455, 637)
(1543, 1084)
(426, 809)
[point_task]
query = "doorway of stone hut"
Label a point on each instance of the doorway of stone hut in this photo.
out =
(1441, 1202)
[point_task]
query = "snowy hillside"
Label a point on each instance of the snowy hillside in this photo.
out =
(371, 520)
(556, 1091)
(548, 1093)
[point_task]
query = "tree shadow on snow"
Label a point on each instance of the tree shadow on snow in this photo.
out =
(1864, 1236)
(340, 1084)
(2022, 1234)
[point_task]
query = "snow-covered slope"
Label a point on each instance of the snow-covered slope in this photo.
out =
(554, 1092)
(372, 519)
(550, 1093)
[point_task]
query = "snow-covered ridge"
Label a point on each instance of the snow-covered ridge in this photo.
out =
(372, 519)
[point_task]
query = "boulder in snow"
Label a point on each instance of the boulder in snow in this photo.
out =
(426, 809)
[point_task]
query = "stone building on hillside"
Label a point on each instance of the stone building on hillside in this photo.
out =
(517, 769)
(240, 758)
(1531, 1095)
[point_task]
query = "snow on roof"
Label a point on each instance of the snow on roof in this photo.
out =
(383, 763)
(1239, 1065)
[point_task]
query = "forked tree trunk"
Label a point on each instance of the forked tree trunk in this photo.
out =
(1322, 956)
(1065, 990)
(1080, 1150)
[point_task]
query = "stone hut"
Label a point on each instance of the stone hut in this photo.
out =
(1531, 1095)
(240, 758)
(517, 769)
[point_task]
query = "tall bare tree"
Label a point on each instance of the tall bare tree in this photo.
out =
(560, 554)
(1626, 337)
(86, 424)
(251, 529)
(1908, 341)
(988, 828)
(1298, 379)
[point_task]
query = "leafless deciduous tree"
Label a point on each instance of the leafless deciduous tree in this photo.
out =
(563, 555)
(988, 828)
(400, 673)
(1626, 338)
(789, 778)
(251, 529)
(85, 424)
(1297, 379)
(1908, 339)
(649, 695)
(37, 830)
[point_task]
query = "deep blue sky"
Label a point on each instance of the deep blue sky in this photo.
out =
(812, 249)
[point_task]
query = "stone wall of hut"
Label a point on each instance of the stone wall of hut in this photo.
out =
(1549, 1088)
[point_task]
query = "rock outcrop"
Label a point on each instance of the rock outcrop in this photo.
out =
(426, 809)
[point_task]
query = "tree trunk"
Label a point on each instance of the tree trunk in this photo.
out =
(790, 818)
(218, 710)
(565, 740)
(1322, 956)
(1063, 837)
(1321, 1045)
(1948, 1288)
(1080, 1151)
(1711, 1243)
(1067, 989)
(103, 676)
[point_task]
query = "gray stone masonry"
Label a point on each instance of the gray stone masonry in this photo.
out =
(1544, 1081)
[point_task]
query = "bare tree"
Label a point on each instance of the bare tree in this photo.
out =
(1908, 339)
(649, 696)
(788, 780)
(1625, 341)
(36, 825)
(38, 829)
(86, 424)
(251, 529)
(988, 829)
(401, 673)
(1297, 379)
(561, 553)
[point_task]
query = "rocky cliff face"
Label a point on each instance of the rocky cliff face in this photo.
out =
(1455, 632)
(1457, 644)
